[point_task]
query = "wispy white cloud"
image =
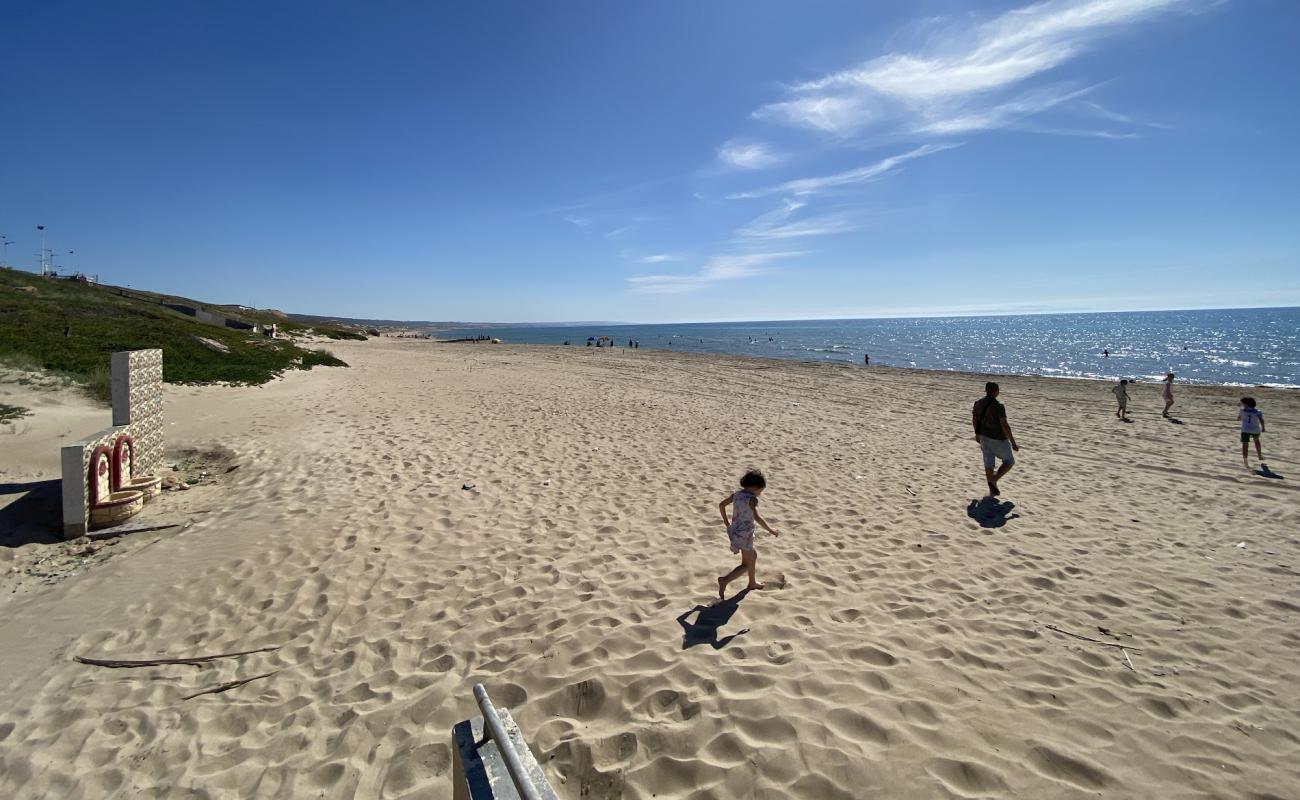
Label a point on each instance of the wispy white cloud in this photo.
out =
(778, 224)
(1004, 114)
(1087, 134)
(960, 74)
(728, 267)
(659, 258)
(1099, 110)
(748, 155)
(581, 222)
(871, 172)
(826, 113)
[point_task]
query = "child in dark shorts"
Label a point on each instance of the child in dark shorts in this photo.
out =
(1252, 425)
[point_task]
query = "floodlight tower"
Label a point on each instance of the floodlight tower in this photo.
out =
(44, 262)
(5, 241)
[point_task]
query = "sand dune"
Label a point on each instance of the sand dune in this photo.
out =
(903, 650)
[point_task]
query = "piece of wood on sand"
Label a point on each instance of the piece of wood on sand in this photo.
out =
(228, 685)
(1094, 641)
(193, 661)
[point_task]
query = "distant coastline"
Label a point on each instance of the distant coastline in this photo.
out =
(1226, 347)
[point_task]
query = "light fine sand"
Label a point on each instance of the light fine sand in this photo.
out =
(902, 649)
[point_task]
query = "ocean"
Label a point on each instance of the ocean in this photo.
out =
(1245, 347)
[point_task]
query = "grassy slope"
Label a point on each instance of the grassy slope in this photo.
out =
(34, 311)
(284, 323)
(287, 324)
(10, 413)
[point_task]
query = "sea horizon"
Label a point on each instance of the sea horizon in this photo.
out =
(1233, 347)
(457, 324)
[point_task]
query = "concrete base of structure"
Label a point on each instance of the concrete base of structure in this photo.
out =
(478, 771)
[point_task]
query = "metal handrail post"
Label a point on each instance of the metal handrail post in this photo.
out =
(494, 730)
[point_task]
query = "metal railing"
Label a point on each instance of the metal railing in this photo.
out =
(496, 731)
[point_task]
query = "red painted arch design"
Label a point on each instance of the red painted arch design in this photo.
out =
(123, 446)
(100, 460)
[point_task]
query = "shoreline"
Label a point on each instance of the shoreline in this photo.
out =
(1154, 383)
(1246, 347)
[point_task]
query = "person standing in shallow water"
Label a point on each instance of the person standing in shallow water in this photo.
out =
(1168, 394)
(993, 432)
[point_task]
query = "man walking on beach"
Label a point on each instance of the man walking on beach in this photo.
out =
(989, 417)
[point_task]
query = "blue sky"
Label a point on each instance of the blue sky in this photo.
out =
(663, 161)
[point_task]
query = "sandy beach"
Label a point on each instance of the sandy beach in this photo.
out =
(544, 520)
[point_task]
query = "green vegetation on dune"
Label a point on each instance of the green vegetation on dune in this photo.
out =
(70, 327)
(10, 413)
(286, 324)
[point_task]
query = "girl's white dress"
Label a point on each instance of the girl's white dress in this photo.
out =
(741, 530)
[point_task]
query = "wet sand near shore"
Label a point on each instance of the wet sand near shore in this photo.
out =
(544, 520)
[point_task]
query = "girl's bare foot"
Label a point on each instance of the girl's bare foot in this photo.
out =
(757, 586)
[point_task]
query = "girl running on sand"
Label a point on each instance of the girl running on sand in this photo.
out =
(740, 528)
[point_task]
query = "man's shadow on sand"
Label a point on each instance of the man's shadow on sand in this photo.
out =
(989, 512)
(705, 628)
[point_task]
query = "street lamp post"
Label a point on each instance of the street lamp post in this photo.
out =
(4, 254)
(44, 257)
(53, 267)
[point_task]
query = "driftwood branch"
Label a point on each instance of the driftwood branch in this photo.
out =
(1094, 641)
(227, 686)
(193, 661)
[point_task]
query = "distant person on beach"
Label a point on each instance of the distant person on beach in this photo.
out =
(1121, 397)
(1105, 354)
(1252, 425)
(740, 528)
(1168, 393)
(866, 359)
(993, 432)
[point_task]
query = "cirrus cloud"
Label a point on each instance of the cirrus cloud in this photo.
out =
(748, 155)
(726, 267)
(964, 74)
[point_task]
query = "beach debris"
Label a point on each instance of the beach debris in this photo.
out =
(1242, 545)
(228, 685)
(1129, 660)
(546, 483)
(192, 661)
(467, 486)
(1094, 641)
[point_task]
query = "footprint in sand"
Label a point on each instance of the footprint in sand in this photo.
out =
(780, 653)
